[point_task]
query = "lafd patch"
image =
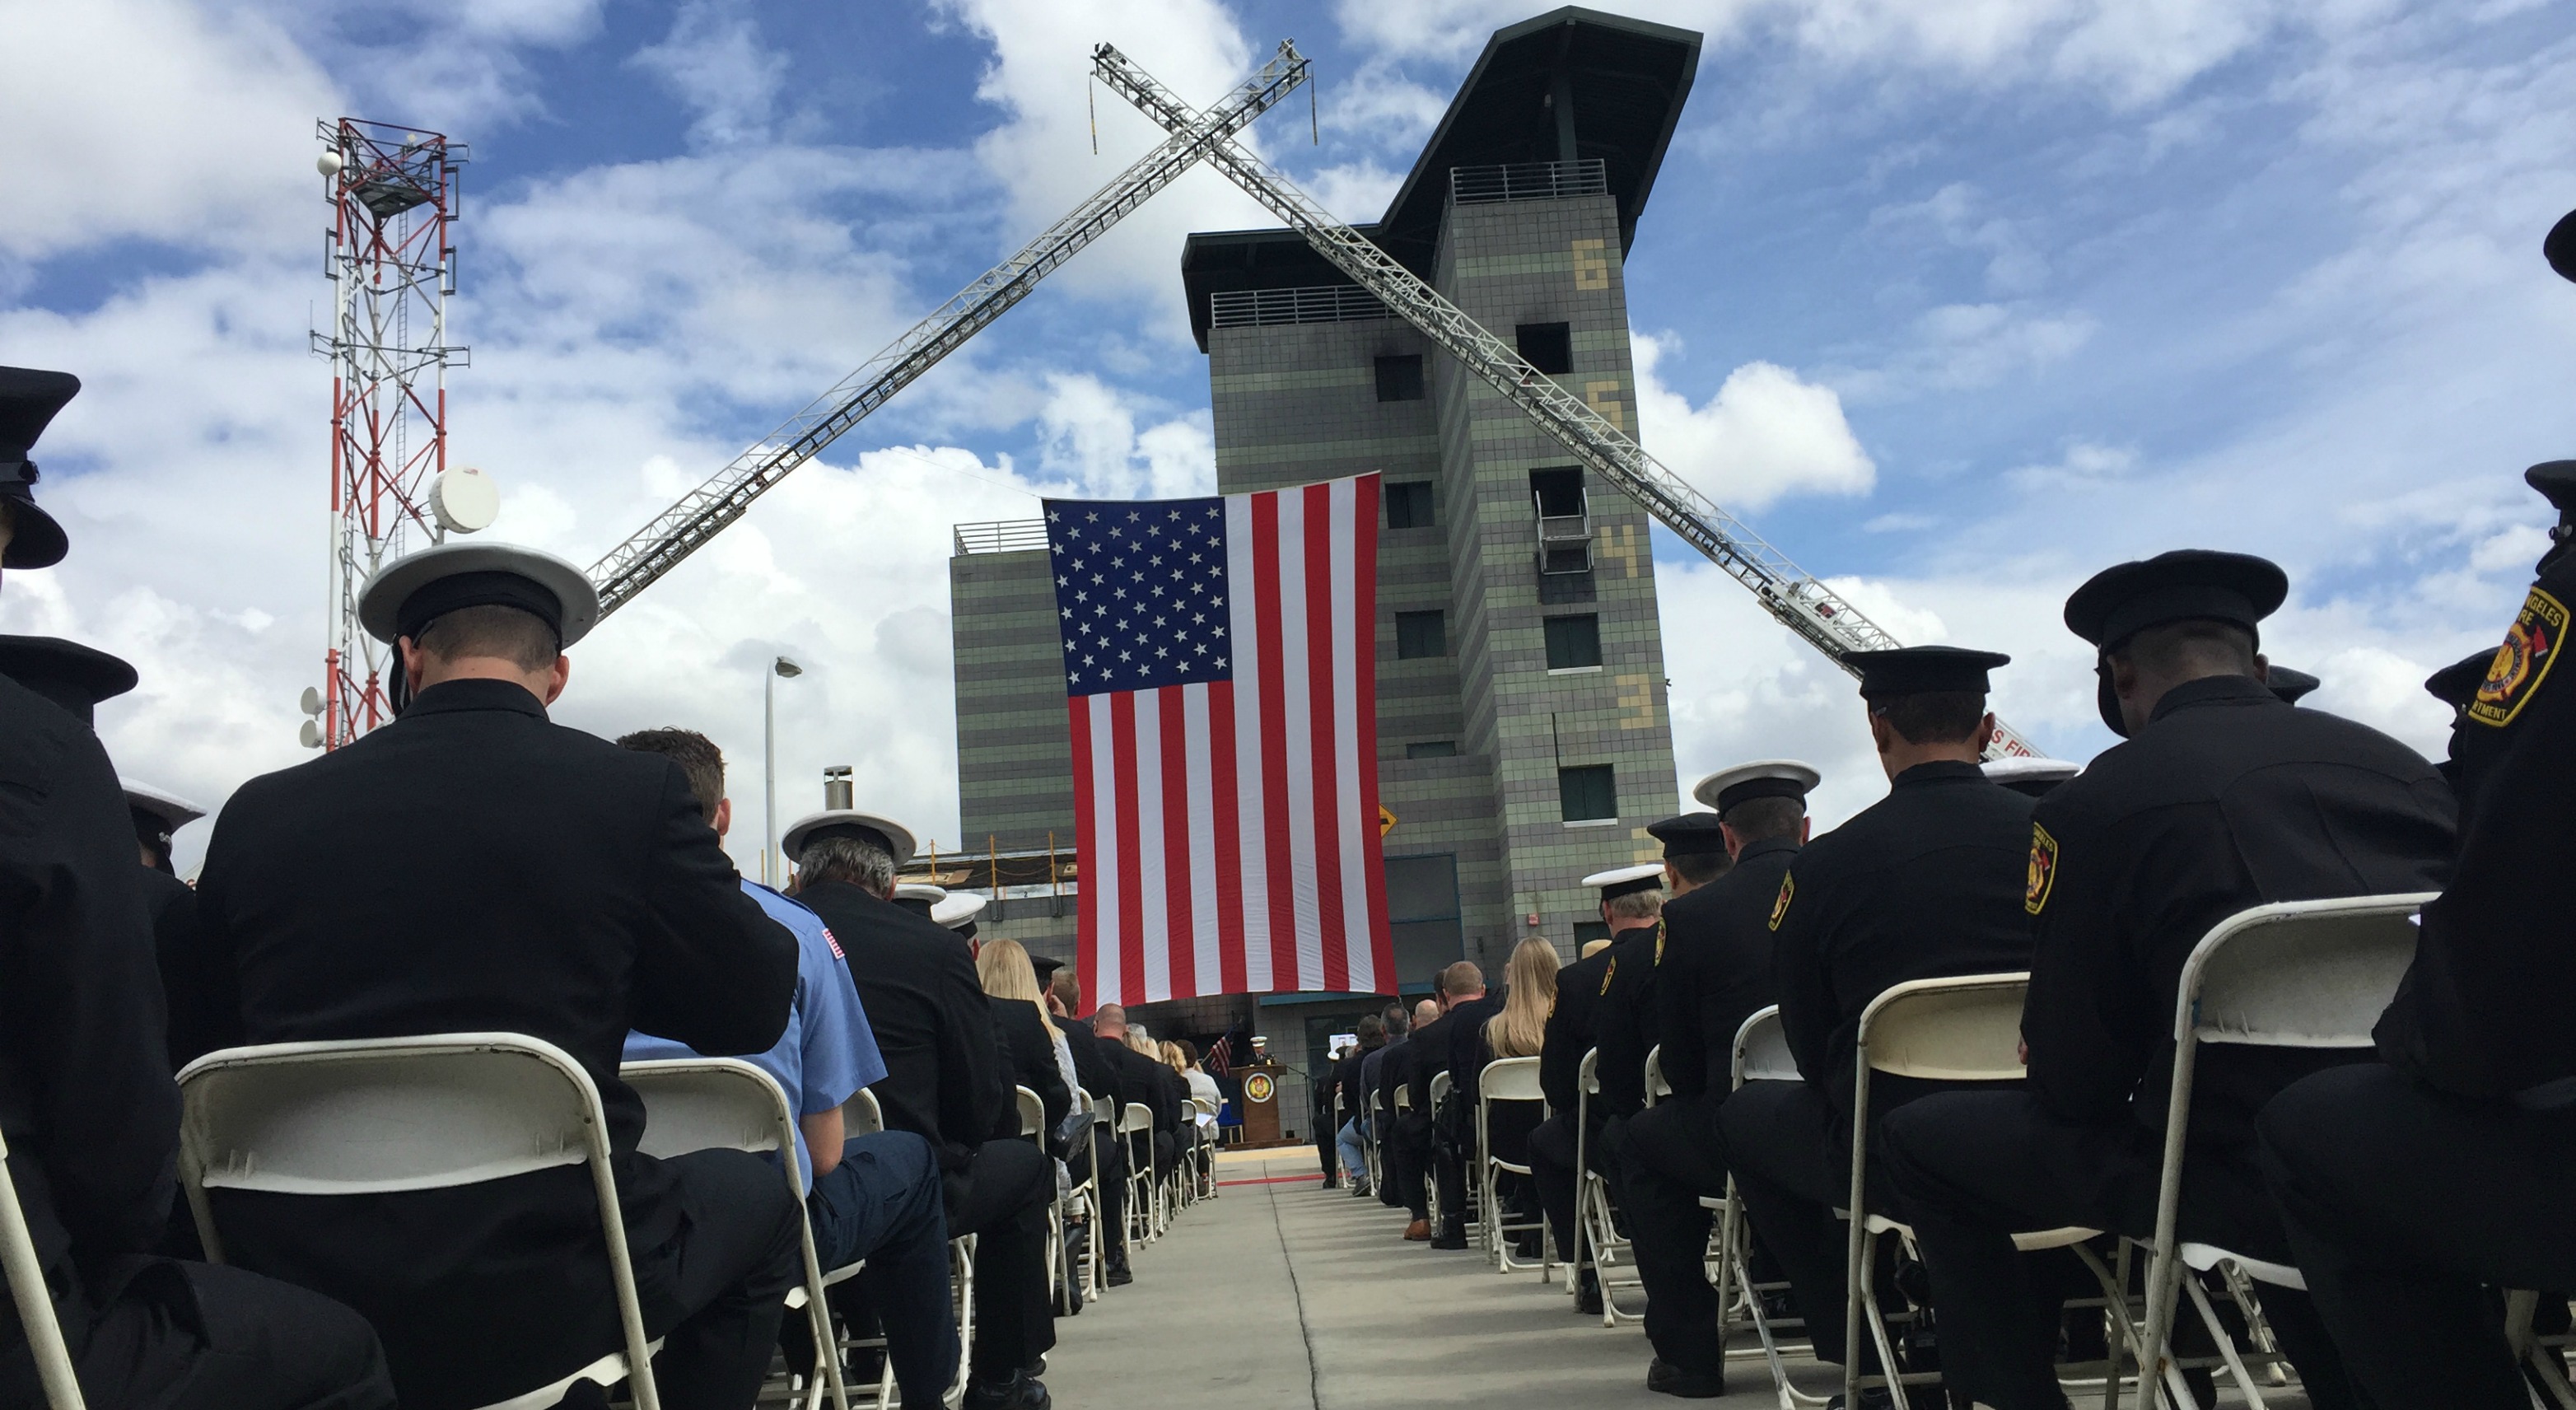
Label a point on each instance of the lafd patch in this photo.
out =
(1609, 972)
(2530, 646)
(1659, 942)
(2043, 869)
(1780, 907)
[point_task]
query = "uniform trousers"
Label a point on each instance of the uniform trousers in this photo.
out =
(883, 1203)
(1390, 1180)
(1551, 1161)
(2400, 1203)
(1002, 1198)
(1324, 1147)
(1413, 1162)
(1790, 1150)
(1971, 1168)
(176, 1335)
(1671, 1154)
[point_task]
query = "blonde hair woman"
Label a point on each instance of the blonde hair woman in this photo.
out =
(1520, 1029)
(1040, 1059)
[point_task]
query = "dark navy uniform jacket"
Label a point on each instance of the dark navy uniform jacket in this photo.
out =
(1924, 883)
(86, 1101)
(472, 866)
(2228, 799)
(1717, 967)
(2485, 1011)
(945, 1081)
(1569, 1034)
(1623, 1021)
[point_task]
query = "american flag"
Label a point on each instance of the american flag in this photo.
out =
(1220, 661)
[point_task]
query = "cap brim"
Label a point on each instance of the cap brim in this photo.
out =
(2560, 247)
(39, 541)
(380, 602)
(173, 811)
(905, 844)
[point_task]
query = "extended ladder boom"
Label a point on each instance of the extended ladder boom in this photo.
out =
(686, 526)
(1798, 600)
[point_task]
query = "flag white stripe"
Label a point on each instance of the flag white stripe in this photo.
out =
(1297, 746)
(1354, 902)
(1250, 801)
(1157, 921)
(1102, 876)
(1205, 931)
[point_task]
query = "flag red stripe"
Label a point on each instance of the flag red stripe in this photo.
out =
(1229, 836)
(1086, 897)
(1177, 824)
(1322, 628)
(1131, 894)
(1363, 626)
(1273, 847)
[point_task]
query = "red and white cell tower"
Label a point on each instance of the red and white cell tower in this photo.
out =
(391, 259)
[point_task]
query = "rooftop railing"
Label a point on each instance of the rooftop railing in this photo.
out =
(1527, 181)
(1001, 536)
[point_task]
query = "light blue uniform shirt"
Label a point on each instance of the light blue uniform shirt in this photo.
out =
(828, 1051)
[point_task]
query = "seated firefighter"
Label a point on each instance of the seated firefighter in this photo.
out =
(2224, 798)
(87, 1106)
(874, 1197)
(1716, 973)
(1097, 1070)
(473, 867)
(1924, 883)
(1427, 1140)
(945, 1083)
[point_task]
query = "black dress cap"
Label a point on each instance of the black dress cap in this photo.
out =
(1763, 778)
(2560, 247)
(2290, 685)
(2457, 684)
(29, 397)
(67, 673)
(2188, 584)
(1690, 835)
(1923, 670)
(406, 595)
(2556, 481)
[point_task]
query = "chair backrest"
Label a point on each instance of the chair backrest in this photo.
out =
(2298, 974)
(1510, 1080)
(1587, 1078)
(1032, 1111)
(696, 1104)
(387, 1114)
(1207, 1106)
(1965, 1028)
(1138, 1117)
(860, 1115)
(35, 1301)
(1762, 1050)
(1404, 1097)
(1656, 1087)
(1440, 1085)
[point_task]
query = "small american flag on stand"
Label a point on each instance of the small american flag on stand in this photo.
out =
(1220, 663)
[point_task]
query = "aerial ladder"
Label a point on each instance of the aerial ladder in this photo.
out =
(704, 512)
(1792, 596)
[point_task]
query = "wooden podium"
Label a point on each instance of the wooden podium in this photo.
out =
(1261, 1104)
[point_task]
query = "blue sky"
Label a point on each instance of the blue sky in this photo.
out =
(1955, 303)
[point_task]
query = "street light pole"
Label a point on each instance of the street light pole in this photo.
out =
(780, 668)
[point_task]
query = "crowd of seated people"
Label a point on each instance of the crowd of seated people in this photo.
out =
(472, 868)
(2391, 1225)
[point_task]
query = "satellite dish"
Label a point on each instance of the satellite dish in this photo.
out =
(329, 162)
(312, 701)
(464, 500)
(309, 734)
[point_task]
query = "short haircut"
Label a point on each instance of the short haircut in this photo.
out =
(841, 857)
(1636, 905)
(1755, 819)
(1461, 978)
(2195, 647)
(1372, 1030)
(1420, 1005)
(1398, 1020)
(1189, 1051)
(1701, 868)
(1067, 989)
(697, 756)
(1110, 1013)
(490, 629)
(1934, 717)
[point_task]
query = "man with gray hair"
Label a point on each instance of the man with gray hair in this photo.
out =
(945, 1083)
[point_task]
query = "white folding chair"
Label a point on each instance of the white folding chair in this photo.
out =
(1596, 1226)
(1961, 1029)
(1761, 1055)
(1104, 1129)
(1205, 1145)
(1506, 1080)
(2298, 974)
(1032, 1109)
(695, 1104)
(1137, 1119)
(1656, 1087)
(379, 1115)
(1373, 1150)
(35, 1301)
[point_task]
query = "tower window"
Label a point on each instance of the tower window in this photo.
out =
(1548, 346)
(1408, 505)
(1573, 642)
(1586, 793)
(1421, 634)
(1400, 378)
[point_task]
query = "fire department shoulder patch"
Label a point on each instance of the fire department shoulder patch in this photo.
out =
(1609, 972)
(1780, 907)
(2043, 869)
(2530, 647)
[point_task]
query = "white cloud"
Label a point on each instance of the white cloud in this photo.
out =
(2084, 463)
(1963, 347)
(715, 61)
(1765, 435)
(1957, 214)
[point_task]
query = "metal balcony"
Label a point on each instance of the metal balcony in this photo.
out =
(1328, 303)
(1527, 181)
(1564, 540)
(1001, 536)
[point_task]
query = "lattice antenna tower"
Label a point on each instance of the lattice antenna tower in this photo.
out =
(391, 259)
